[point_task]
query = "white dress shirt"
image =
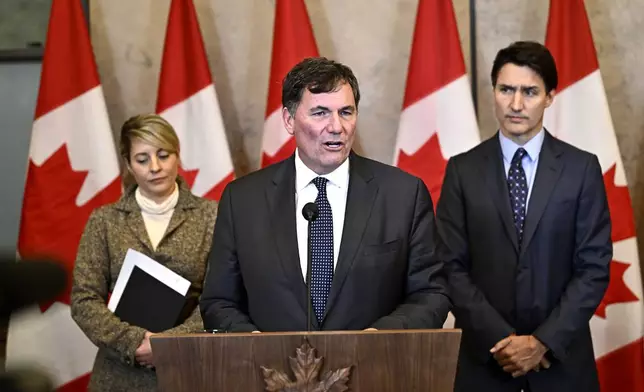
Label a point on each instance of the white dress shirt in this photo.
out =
(306, 192)
(530, 161)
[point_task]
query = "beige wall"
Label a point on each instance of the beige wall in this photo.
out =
(373, 37)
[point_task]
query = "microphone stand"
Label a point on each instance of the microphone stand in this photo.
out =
(309, 321)
(310, 213)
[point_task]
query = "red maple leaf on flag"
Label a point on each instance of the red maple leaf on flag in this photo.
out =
(52, 223)
(623, 227)
(213, 194)
(621, 210)
(617, 291)
(428, 164)
(284, 152)
(79, 384)
(217, 190)
(188, 176)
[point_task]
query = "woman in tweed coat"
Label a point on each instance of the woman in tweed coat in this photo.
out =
(158, 216)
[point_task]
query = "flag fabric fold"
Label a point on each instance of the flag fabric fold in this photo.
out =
(580, 115)
(187, 99)
(437, 119)
(72, 170)
(293, 41)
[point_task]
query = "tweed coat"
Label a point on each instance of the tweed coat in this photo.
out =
(110, 231)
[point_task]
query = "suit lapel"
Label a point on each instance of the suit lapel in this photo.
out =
(137, 226)
(133, 217)
(496, 180)
(177, 219)
(360, 198)
(185, 203)
(548, 172)
(280, 196)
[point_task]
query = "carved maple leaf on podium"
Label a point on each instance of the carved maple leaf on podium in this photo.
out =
(306, 368)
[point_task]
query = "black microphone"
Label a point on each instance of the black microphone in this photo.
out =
(28, 282)
(310, 213)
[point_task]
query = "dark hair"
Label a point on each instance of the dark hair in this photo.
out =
(528, 54)
(318, 75)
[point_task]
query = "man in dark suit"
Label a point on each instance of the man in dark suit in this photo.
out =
(525, 235)
(372, 244)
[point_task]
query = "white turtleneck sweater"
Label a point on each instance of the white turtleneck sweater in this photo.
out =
(156, 216)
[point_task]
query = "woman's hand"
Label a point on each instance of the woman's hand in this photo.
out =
(143, 353)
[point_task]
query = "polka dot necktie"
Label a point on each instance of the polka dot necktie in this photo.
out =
(518, 187)
(321, 250)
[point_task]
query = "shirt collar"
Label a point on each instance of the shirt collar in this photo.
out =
(532, 147)
(303, 175)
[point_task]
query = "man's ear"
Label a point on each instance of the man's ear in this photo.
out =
(288, 120)
(550, 97)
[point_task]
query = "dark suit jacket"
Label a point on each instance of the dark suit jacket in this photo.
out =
(386, 277)
(549, 286)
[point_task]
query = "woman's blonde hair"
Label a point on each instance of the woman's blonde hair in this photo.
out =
(149, 128)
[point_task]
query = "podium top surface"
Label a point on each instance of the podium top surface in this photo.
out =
(306, 333)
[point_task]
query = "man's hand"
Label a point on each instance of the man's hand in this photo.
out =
(544, 364)
(143, 353)
(370, 329)
(520, 354)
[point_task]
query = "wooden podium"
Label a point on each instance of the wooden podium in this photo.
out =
(359, 361)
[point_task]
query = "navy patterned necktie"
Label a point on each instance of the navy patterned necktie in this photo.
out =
(518, 187)
(321, 250)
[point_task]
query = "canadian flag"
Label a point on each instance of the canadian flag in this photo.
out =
(580, 116)
(293, 41)
(73, 169)
(438, 119)
(188, 100)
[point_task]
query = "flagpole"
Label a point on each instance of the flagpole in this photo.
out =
(473, 70)
(85, 5)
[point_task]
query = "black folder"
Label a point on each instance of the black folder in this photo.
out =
(150, 304)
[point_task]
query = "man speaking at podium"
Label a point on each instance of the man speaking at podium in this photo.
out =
(372, 253)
